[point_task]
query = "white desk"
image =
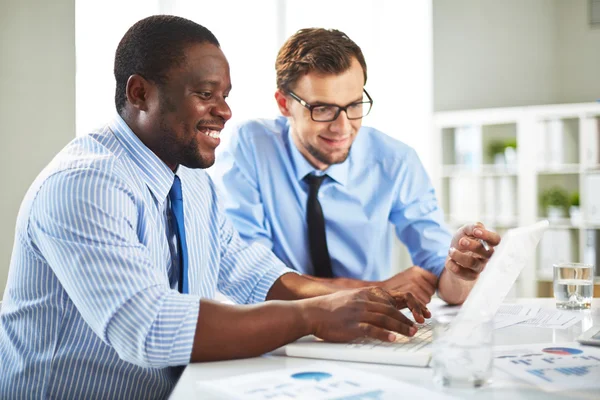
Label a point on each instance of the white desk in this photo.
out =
(502, 386)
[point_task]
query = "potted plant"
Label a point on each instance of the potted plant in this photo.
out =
(510, 151)
(574, 209)
(555, 202)
(496, 152)
(503, 152)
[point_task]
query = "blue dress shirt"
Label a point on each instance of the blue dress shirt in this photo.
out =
(91, 307)
(382, 185)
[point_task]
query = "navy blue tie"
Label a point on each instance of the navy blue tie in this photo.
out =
(315, 220)
(177, 208)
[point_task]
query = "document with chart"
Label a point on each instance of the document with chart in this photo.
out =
(318, 381)
(552, 367)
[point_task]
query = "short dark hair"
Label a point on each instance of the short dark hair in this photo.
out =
(327, 51)
(151, 47)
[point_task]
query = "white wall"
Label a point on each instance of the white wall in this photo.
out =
(37, 100)
(490, 53)
(578, 53)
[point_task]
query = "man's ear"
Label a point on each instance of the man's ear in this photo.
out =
(138, 90)
(282, 103)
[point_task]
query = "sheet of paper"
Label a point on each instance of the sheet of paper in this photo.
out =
(519, 309)
(504, 320)
(512, 314)
(551, 366)
(317, 381)
(515, 251)
(555, 319)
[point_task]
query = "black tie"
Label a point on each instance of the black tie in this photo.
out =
(317, 239)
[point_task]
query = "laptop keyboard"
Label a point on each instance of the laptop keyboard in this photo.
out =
(421, 340)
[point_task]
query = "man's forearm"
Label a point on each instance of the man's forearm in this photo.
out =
(452, 289)
(226, 331)
(293, 287)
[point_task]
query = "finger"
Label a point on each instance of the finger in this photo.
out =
(383, 321)
(478, 230)
(391, 312)
(416, 289)
(463, 273)
(465, 260)
(365, 329)
(418, 309)
(475, 246)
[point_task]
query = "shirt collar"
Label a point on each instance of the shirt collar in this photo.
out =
(155, 173)
(337, 172)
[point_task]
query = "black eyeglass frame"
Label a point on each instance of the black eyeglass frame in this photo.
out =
(310, 107)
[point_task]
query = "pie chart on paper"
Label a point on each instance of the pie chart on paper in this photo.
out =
(562, 351)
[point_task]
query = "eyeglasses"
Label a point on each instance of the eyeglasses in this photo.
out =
(330, 112)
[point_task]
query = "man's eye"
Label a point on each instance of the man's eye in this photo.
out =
(204, 95)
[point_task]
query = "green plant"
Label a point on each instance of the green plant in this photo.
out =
(510, 143)
(574, 201)
(555, 197)
(498, 146)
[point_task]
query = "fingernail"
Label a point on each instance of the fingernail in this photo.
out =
(452, 250)
(478, 232)
(392, 337)
(412, 330)
(464, 242)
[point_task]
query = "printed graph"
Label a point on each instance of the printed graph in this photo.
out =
(557, 374)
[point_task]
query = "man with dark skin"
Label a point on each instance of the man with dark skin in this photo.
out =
(105, 317)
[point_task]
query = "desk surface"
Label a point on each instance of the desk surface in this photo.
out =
(502, 386)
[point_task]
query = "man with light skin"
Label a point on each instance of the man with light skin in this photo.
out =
(339, 228)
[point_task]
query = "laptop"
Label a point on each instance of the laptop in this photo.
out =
(515, 251)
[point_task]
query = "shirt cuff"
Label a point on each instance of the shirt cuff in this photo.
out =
(171, 338)
(267, 280)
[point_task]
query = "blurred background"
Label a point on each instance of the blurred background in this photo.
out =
(499, 98)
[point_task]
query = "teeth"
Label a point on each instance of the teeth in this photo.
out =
(212, 134)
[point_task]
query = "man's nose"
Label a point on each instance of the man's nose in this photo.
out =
(341, 123)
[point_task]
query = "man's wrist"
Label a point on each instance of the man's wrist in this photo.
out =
(307, 315)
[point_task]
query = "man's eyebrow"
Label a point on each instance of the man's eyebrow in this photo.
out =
(210, 83)
(322, 103)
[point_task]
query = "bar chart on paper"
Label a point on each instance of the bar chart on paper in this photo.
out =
(554, 368)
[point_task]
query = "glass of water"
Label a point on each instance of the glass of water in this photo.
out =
(573, 285)
(462, 351)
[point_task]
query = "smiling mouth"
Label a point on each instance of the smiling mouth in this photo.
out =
(334, 141)
(212, 132)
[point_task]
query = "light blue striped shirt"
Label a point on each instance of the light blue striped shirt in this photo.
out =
(380, 187)
(91, 307)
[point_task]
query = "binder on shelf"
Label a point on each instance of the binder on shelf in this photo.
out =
(468, 147)
(591, 250)
(554, 143)
(507, 198)
(555, 247)
(464, 198)
(489, 206)
(591, 198)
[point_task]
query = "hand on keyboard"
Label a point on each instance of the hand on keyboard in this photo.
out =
(406, 299)
(366, 312)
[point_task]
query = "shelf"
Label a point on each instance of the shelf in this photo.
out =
(485, 170)
(560, 169)
(504, 223)
(563, 223)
